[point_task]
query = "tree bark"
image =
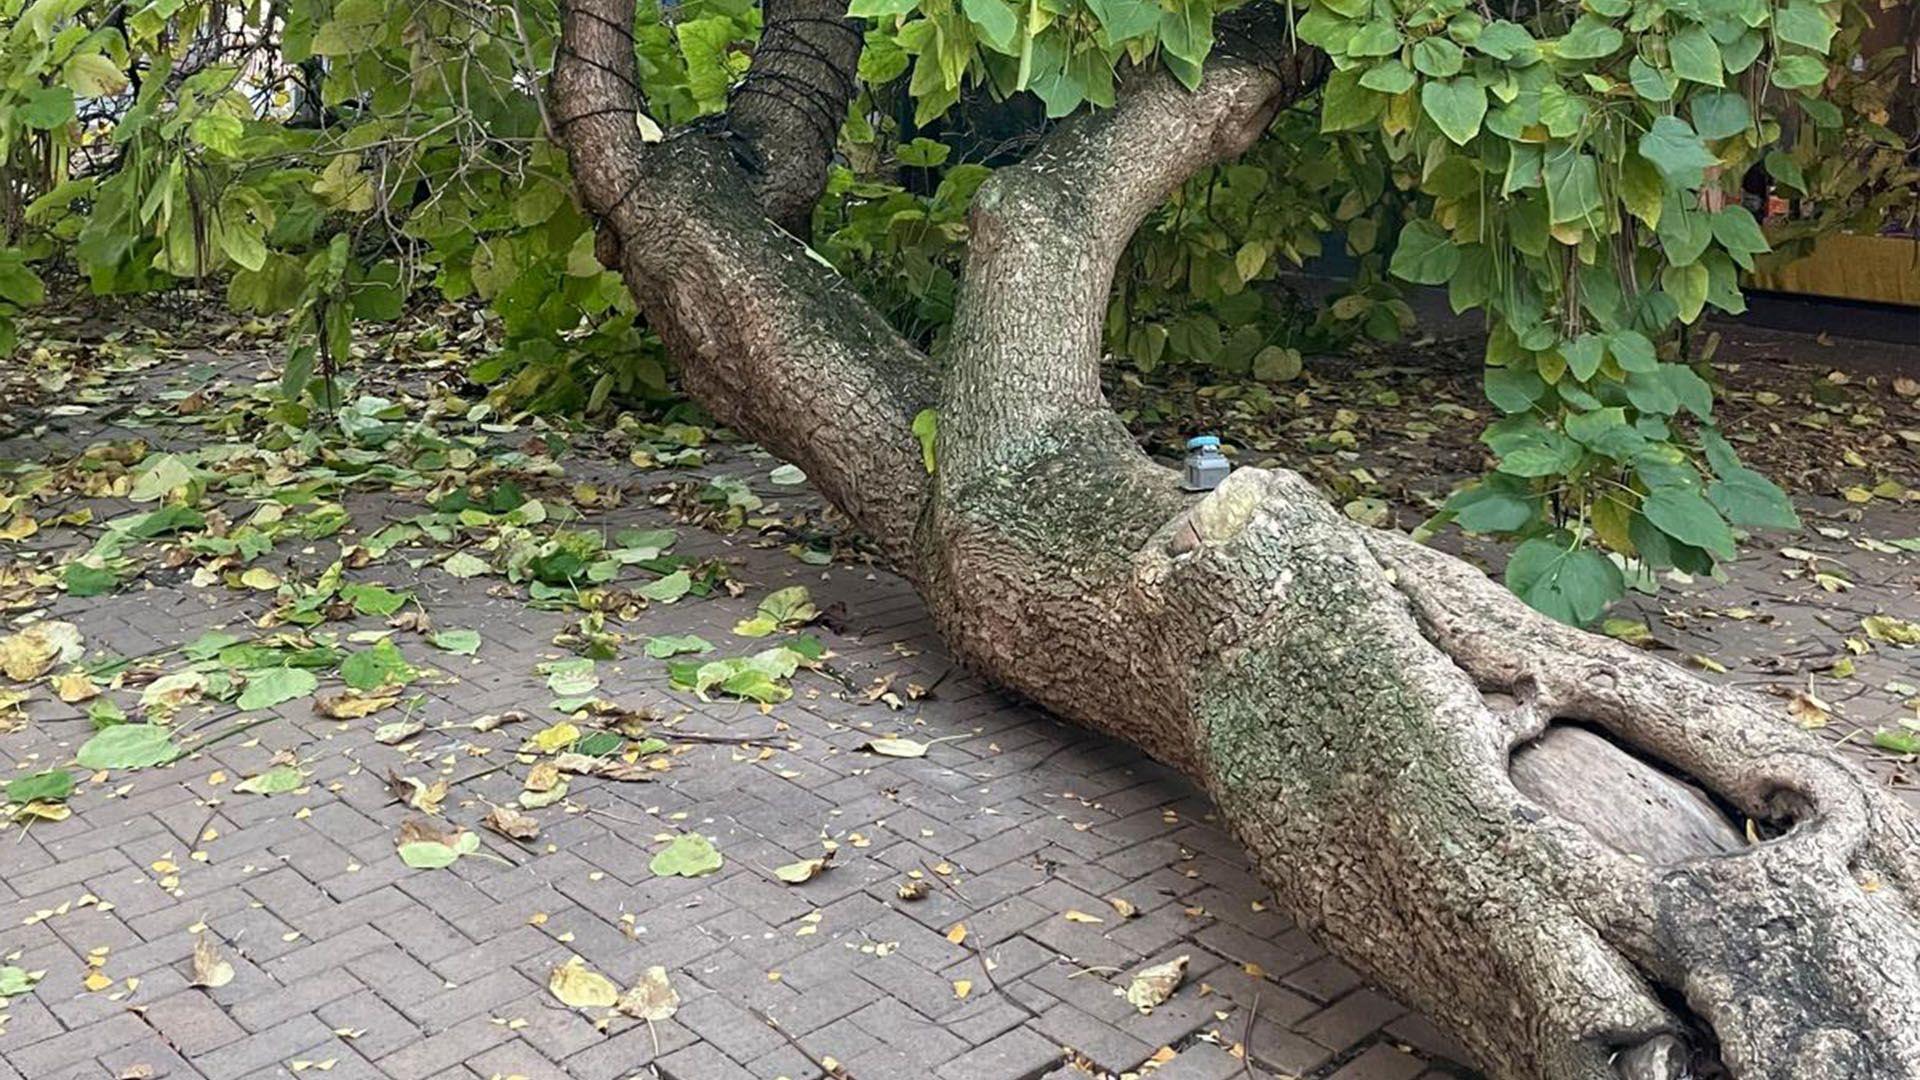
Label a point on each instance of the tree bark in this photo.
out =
(1531, 833)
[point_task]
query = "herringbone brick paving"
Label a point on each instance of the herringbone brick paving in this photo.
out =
(350, 964)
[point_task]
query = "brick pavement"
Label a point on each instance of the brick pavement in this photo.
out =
(350, 964)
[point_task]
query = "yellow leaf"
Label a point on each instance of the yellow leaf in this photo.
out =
(580, 988)
(554, 738)
(75, 687)
(210, 969)
(28, 654)
(1154, 985)
(652, 998)
(958, 934)
(961, 988)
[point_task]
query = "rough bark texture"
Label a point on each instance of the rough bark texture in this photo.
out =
(1354, 702)
(790, 106)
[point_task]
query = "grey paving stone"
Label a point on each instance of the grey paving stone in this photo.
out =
(1020, 1054)
(341, 950)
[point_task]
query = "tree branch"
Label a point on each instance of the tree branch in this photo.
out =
(764, 333)
(1025, 354)
(790, 106)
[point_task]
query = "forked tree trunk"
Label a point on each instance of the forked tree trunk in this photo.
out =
(1582, 861)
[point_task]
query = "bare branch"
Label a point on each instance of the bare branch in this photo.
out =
(1025, 358)
(766, 335)
(789, 108)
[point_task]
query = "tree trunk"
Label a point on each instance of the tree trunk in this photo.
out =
(1531, 833)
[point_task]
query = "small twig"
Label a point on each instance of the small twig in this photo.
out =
(1246, 1038)
(707, 737)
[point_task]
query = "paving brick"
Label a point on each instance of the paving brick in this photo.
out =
(1380, 1062)
(193, 1023)
(1020, 1054)
(442, 973)
(433, 1054)
(264, 1049)
(701, 1061)
(1201, 1061)
(1350, 1019)
(1099, 1042)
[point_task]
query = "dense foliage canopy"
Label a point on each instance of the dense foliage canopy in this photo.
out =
(1574, 172)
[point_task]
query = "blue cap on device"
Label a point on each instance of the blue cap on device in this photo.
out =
(1199, 441)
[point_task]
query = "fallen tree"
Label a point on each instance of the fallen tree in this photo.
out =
(1580, 860)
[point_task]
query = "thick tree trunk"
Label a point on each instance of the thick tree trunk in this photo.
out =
(1531, 833)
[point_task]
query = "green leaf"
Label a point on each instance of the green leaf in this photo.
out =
(19, 285)
(1690, 519)
(1345, 105)
(374, 601)
(996, 21)
(128, 746)
(1584, 355)
(1512, 389)
(1649, 82)
(1425, 255)
(465, 564)
(1508, 41)
(925, 424)
(457, 642)
(1571, 584)
(1487, 508)
(1590, 38)
(1695, 56)
(82, 580)
(1457, 106)
(689, 855)
(1806, 24)
(1688, 287)
(92, 75)
(1606, 431)
(15, 981)
(51, 786)
(1438, 57)
(1632, 351)
(370, 669)
(1186, 31)
(1125, 19)
(571, 678)
(1651, 393)
(1739, 234)
(47, 108)
(1752, 501)
(1573, 185)
(1782, 167)
(1684, 233)
(158, 523)
(1526, 448)
(1689, 389)
(1389, 77)
(1677, 152)
(428, 855)
(668, 589)
(268, 687)
(1381, 37)
(674, 644)
(1720, 115)
(279, 780)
